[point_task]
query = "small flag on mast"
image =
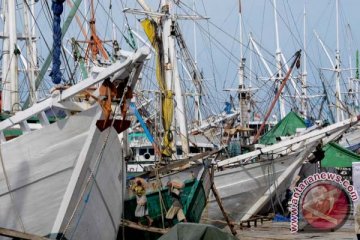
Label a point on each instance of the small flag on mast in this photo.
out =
(239, 6)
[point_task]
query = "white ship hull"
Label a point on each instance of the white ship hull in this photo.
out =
(246, 189)
(242, 186)
(45, 186)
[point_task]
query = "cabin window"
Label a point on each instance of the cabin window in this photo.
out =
(142, 151)
(194, 150)
(178, 151)
(151, 151)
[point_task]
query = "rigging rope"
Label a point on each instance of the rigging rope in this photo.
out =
(57, 8)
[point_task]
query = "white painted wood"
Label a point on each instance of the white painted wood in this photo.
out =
(43, 118)
(39, 166)
(241, 186)
(44, 174)
(309, 137)
(72, 106)
(25, 128)
(282, 180)
(102, 199)
(41, 171)
(245, 189)
(5, 76)
(13, 70)
(123, 69)
(213, 122)
(2, 137)
(23, 115)
(76, 174)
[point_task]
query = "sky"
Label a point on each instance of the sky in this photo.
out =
(217, 41)
(258, 19)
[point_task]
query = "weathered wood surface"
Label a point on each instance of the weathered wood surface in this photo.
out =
(16, 234)
(134, 225)
(281, 230)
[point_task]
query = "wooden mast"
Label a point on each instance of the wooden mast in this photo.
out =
(297, 58)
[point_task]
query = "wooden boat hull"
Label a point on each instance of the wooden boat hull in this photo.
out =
(47, 180)
(240, 187)
(193, 197)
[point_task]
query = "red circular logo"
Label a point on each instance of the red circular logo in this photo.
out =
(325, 206)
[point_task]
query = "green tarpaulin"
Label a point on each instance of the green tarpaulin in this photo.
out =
(196, 231)
(337, 156)
(286, 127)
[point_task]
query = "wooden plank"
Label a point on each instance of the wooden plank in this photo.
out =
(131, 224)
(21, 235)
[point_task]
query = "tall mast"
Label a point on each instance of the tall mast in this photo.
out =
(357, 78)
(243, 94)
(172, 76)
(195, 47)
(179, 98)
(351, 83)
(251, 65)
(13, 53)
(34, 60)
(86, 11)
(279, 75)
(198, 93)
(251, 114)
(29, 30)
(304, 74)
(339, 112)
(5, 76)
(113, 33)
